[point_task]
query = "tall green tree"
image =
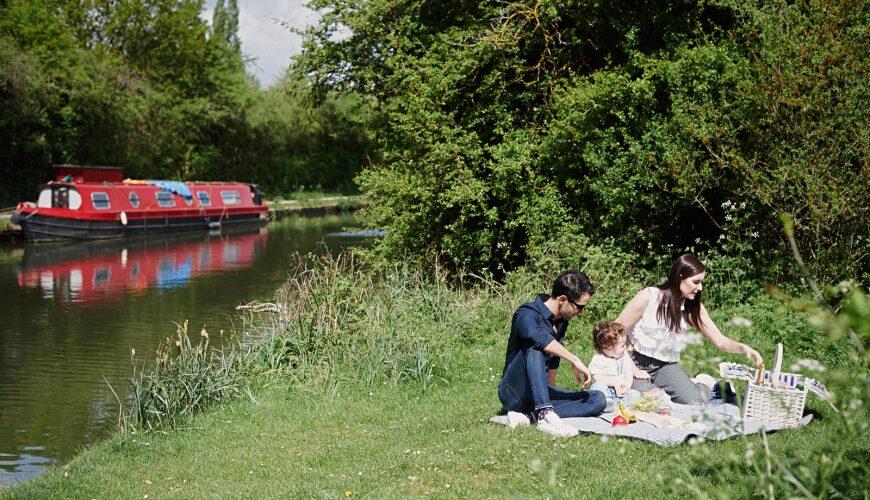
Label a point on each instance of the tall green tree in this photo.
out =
(225, 23)
(148, 85)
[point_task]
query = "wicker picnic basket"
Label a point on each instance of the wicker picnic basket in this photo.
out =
(770, 400)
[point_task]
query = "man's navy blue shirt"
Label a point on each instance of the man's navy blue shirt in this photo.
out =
(532, 326)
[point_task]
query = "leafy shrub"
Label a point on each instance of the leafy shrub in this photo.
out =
(506, 124)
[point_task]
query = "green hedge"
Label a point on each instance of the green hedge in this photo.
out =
(661, 126)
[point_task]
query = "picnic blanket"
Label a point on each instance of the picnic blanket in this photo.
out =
(709, 422)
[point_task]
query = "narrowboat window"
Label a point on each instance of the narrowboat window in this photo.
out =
(203, 198)
(188, 201)
(60, 198)
(75, 199)
(165, 199)
(100, 200)
(134, 199)
(231, 197)
(44, 200)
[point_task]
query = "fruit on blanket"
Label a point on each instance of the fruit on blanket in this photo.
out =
(625, 413)
(650, 402)
(619, 420)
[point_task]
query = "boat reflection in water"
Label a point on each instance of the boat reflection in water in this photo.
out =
(92, 274)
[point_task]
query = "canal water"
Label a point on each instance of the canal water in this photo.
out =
(71, 313)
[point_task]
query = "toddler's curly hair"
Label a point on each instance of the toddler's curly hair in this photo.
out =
(605, 335)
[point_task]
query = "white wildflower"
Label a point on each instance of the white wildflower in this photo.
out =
(739, 322)
(809, 364)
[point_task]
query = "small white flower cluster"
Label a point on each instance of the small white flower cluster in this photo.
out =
(809, 364)
(728, 204)
(739, 322)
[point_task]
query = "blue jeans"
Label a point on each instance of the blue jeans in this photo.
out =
(524, 388)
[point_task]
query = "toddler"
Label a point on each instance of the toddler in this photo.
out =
(612, 369)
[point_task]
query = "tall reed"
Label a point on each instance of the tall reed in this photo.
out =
(334, 322)
(184, 378)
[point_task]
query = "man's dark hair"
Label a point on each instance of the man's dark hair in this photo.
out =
(572, 284)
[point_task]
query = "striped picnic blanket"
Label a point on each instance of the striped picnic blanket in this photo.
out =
(709, 422)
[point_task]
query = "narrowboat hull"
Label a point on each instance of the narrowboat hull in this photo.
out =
(90, 203)
(37, 227)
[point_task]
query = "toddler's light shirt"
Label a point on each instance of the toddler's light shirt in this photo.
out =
(612, 371)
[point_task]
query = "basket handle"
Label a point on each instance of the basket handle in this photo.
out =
(777, 366)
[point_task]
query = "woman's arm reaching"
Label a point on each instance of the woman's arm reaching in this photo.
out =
(723, 343)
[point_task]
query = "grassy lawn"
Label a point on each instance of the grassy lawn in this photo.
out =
(341, 408)
(307, 199)
(6, 224)
(394, 441)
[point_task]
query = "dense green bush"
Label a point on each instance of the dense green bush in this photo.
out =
(503, 124)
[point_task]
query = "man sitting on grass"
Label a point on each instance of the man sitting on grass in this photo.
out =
(534, 349)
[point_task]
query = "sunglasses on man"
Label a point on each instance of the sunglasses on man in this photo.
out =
(579, 307)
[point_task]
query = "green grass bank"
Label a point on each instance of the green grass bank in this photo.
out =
(379, 382)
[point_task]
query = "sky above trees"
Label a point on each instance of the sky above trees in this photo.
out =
(264, 37)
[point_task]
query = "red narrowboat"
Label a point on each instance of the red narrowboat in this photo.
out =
(97, 202)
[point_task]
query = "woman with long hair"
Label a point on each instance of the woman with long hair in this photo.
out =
(658, 318)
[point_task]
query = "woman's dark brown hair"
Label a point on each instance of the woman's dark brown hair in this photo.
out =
(668, 312)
